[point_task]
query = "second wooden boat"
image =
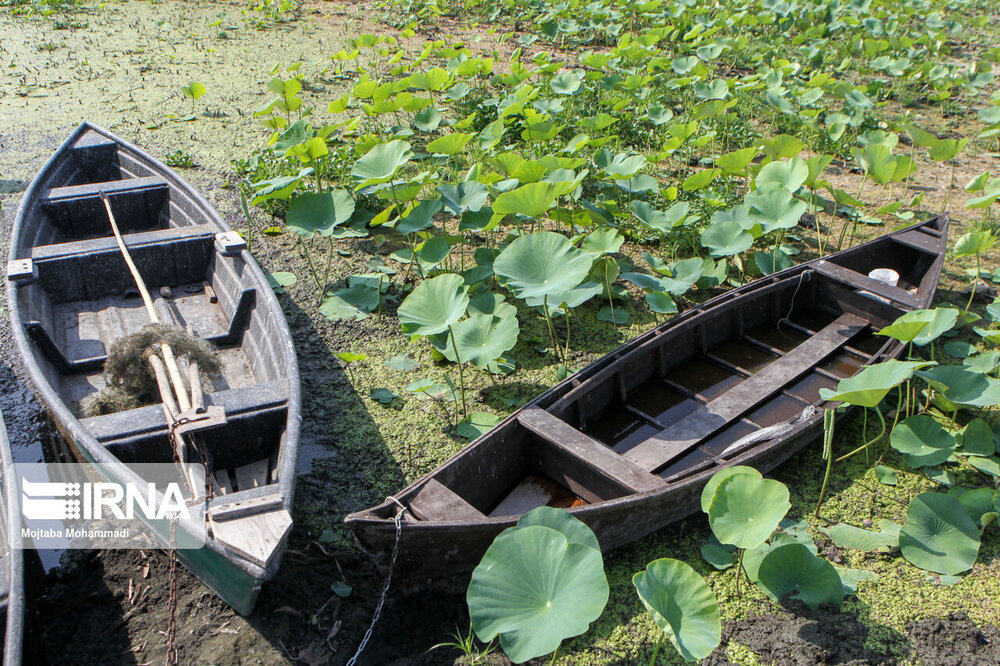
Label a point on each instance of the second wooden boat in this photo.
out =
(12, 599)
(628, 443)
(71, 296)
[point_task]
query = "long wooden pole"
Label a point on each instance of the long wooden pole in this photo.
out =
(183, 400)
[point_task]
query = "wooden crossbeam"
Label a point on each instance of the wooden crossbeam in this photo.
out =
(583, 447)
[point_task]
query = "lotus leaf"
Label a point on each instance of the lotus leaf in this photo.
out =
(483, 338)
(535, 588)
(848, 536)
(870, 386)
(541, 264)
(682, 605)
(726, 238)
(793, 569)
(434, 305)
(922, 441)
(938, 535)
(381, 163)
(962, 386)
(744, 510)
(561, 520)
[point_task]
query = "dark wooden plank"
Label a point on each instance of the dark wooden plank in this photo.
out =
(59, 195)
(920, 241)
(687, 433)
(436, 502)
(589, 450)
(866, 283)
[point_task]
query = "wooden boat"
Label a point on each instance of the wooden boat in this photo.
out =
(628, 443)
(12, 598)
(71, 295)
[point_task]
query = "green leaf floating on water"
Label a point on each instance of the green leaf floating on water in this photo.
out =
(848, 536)
(793, 569)
(744, 510)
(534, 588)
(476, 424)
(963, 386)
(682, 605)
(922, 441)
(938, 535)
(575, 530)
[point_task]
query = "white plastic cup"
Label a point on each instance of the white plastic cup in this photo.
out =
(885, 275)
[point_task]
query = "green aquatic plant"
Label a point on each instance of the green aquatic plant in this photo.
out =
(539, 583)
(939, 535)
(683, 607)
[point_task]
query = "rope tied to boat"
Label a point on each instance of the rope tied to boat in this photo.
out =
(769, 433)
(398, 520)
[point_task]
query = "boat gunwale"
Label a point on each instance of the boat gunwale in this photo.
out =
(70, 424)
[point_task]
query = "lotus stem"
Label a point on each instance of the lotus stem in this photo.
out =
(246, 214)
(975, 282)
(865, 446)
(656, 650)
(312, 267)
(552, 330)
(895, 419)
(461, 373)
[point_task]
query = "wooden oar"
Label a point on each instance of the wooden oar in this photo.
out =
(183, 400)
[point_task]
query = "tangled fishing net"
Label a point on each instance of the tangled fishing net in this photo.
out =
(129, 376)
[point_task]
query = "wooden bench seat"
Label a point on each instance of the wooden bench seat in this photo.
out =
(685, 434)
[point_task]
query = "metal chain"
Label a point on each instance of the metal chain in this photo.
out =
(388, 581)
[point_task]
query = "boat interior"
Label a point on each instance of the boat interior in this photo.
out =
(76, 296)
(671, 405)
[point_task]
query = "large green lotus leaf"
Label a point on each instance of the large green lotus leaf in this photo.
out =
(848, 536)
(709, 490)
(541, 264)
(877, 161)
(682, 605)
(943, 320)
(976, 439)
(380, 163)
(908, 326)
(661, 302)
(725, 238)
(573, 298)
(789, 174)
(483, 338)
(531, 200)
(868, 387)
(793, 569)
(561, 520)
(974, 243)
(466, 196)
(922, 441)
(623, 166)
(983, 363)
(744, 510)
(434, 305)
(737, 161)
(535, 588)
(938, 535)
(449, 144)
(977, 502)
(420, 217)
(318, 213)
(754, 556)
(603, 241)
(774, 208)
(962, 386)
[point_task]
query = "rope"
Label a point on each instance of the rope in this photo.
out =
(768, 433)
(807, 273)
(398, 520)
